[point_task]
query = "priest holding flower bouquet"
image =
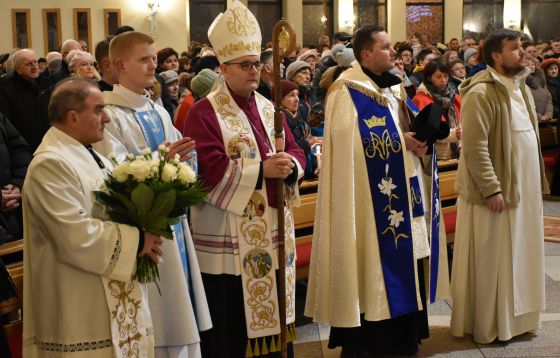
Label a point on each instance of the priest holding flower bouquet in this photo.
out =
(79, 268)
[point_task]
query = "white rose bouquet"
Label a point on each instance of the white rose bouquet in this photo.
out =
(151, 194)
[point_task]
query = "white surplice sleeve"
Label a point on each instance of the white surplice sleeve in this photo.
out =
(57, 197)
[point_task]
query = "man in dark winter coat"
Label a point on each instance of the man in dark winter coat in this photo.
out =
(14, 160)
(63, 71)
(19, 98)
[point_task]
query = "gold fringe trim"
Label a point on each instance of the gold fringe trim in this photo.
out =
(401, 95)
(248, 350)
(376, 96)
(256, 351)
(273, 345)
(255, 348)
(264, 349)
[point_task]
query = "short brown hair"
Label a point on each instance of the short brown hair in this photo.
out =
(102, 49)
(363, 39)
(495, 43)
(69, 94)
(121, 44)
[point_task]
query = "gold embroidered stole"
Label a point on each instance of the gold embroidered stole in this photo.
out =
(129, 313)
(253, 229)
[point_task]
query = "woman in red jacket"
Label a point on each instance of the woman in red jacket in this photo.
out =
(436, 88)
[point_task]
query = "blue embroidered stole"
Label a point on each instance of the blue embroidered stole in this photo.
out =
(434, 219)
(434, 229)
(151, 124)
(384, 158)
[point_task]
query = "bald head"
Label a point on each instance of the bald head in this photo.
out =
(53, 56)
(68, 46)
(25, 64)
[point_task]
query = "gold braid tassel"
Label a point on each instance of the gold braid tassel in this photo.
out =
(264, 349)
(256, 351)
(279, 345)
(273, 345)
(288, 334)
(248, 350)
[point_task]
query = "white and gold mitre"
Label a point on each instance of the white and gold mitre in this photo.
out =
(235, 33)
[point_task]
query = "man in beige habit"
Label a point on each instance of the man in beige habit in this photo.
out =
(80, 297)
(497, 283)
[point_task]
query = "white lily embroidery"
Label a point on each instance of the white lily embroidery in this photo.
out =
(396, 218)
(386, 186)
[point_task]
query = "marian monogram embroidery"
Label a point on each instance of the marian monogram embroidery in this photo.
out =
(240, 23)
(416, 197)
(382, 146)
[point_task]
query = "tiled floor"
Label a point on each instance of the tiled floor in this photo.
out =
(312, 338)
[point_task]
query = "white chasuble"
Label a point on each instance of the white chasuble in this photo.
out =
(346, 274)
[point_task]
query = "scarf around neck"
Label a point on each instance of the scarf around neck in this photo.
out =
(442, 96)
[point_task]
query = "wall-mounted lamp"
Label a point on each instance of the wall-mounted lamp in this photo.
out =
(349, 24)
(152, 17)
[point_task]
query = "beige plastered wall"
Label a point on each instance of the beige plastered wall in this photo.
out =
(173, 19)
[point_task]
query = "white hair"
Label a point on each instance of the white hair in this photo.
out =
(17, 57)
(69, 45)
(53, 56)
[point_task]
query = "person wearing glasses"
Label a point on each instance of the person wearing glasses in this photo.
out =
(19, 98)
(235, 229)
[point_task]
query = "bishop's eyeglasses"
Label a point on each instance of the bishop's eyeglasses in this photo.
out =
(247, 65)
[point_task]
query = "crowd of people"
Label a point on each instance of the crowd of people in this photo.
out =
(367, 118)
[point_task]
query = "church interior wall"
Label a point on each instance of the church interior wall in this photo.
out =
(173, 19)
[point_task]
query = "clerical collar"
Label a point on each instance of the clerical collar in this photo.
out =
(95, 156)
(384, 80)
(135, 99)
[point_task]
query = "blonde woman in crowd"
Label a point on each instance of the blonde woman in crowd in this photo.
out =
(82, 64)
